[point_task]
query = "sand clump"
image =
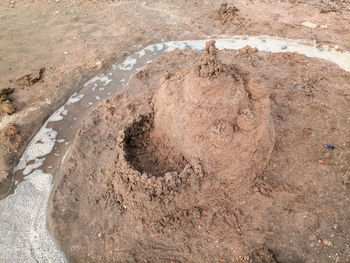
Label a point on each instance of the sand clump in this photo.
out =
(6, 104)
(195, 162)
(214, 115)
(227, 14)
(31, 78)
(10, 139)
(208, 64)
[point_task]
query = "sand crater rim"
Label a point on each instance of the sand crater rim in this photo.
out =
(148, 154)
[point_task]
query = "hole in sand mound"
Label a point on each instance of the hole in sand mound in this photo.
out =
(149, 153)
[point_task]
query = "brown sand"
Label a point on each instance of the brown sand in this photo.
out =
(132, 190)
(76, 39)
(227, 14)
(6, 105)
(216, 114)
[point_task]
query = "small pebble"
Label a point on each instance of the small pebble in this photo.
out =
(327, 243)
(331, 147)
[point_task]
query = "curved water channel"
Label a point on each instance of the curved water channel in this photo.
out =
(23, 233)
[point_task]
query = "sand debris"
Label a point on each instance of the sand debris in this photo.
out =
(6, 105)
(226, 14)
(30, 79)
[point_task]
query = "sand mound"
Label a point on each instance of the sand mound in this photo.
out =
(208, 157)
(214, 115)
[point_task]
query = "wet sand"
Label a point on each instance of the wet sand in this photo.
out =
(93, 87)
(75, 40)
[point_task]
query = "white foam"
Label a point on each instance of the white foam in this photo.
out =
(142, 53)
(176, 45)
(40, 146)
(23, 234)
(309, 24)
(159, 46)
(271, 44)
(37, 163)
(128, 64)
(93, 80)
(74, 98)
(150, 48)
(105, 80)
(57, 116)
(44, 141)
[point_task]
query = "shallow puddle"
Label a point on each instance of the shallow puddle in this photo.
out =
(23, 233)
